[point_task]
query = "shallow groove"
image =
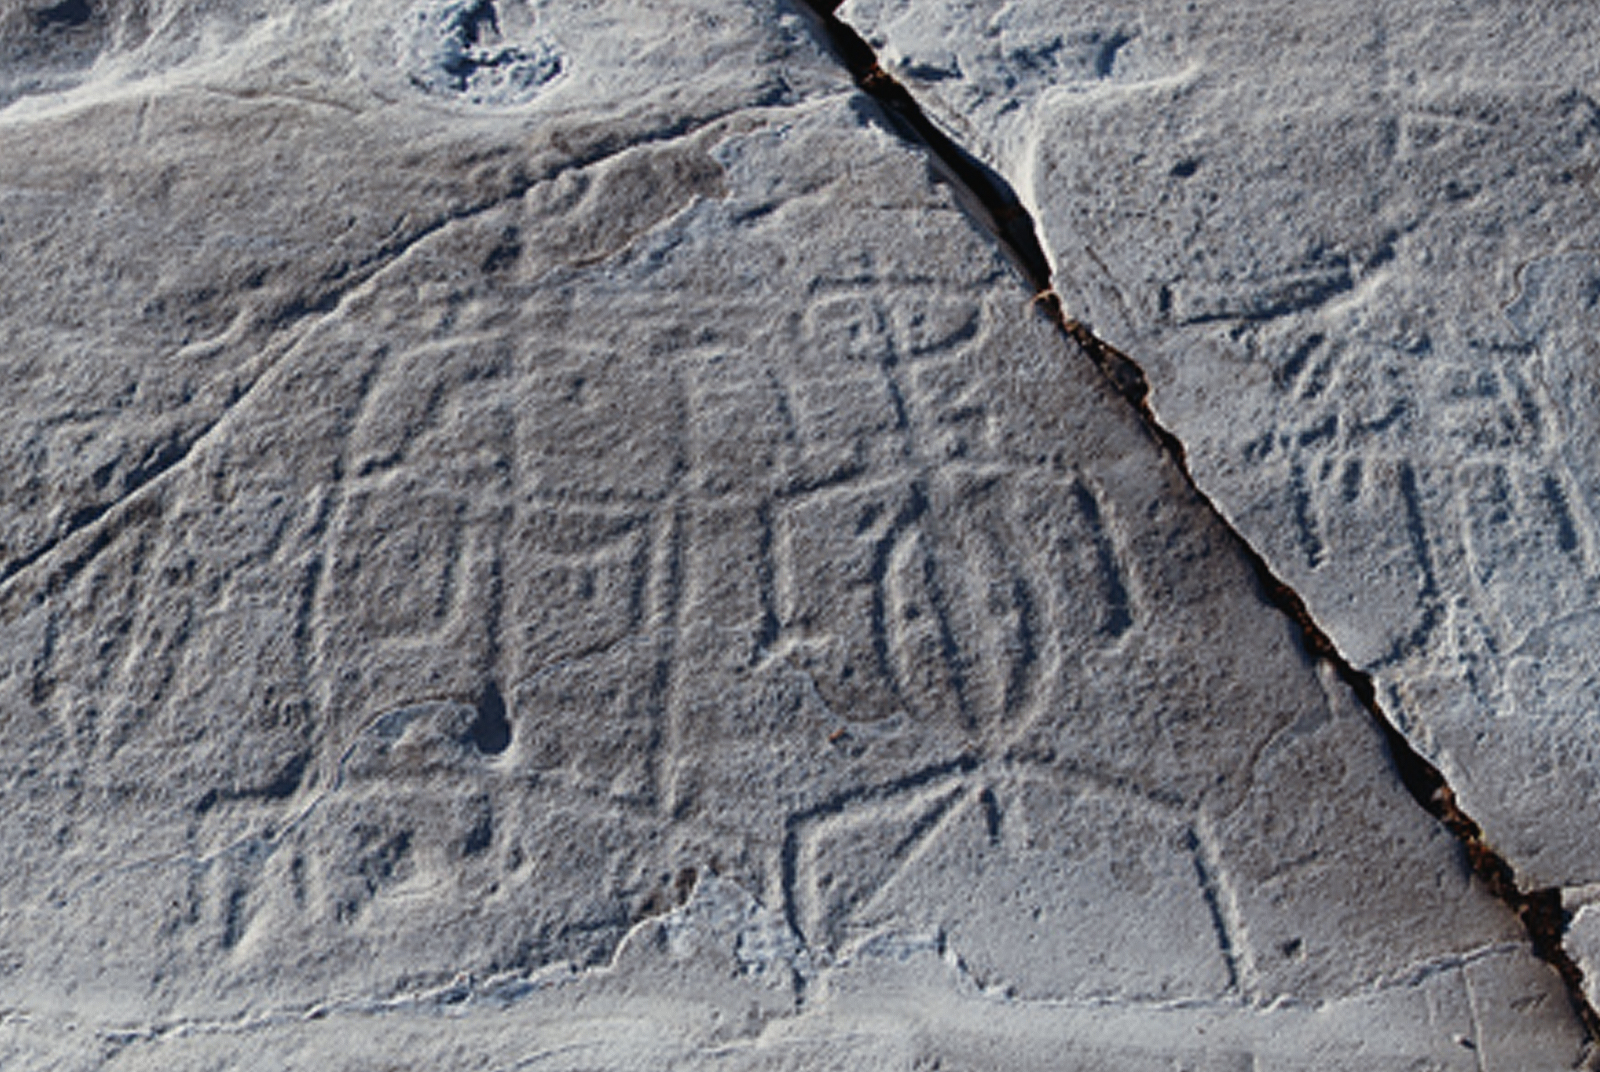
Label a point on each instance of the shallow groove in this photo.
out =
(794, 826)
(303, 311)
(998, 207)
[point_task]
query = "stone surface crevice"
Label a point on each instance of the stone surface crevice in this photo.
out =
(993, 201)
(601, 565)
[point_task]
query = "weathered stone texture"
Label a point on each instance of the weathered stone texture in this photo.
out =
(524, 523)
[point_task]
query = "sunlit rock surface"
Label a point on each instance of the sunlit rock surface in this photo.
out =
(543, 537)
(1354, 250)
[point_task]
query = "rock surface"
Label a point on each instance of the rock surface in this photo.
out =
(1354, 252)
(545, 537)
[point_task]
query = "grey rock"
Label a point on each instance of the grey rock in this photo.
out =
(458, 48)
(1352, 248)
(609, 571)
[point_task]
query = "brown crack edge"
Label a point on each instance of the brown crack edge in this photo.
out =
(1002, 213)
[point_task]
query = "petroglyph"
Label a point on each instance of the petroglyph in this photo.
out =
(631, 553)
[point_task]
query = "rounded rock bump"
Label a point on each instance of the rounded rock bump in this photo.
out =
(463, 50)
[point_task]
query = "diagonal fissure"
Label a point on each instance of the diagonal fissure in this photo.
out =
(986, 194)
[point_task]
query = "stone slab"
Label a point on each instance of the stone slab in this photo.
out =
(515, 544)
(1352, 248)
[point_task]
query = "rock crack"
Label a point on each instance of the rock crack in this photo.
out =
(995, 204)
